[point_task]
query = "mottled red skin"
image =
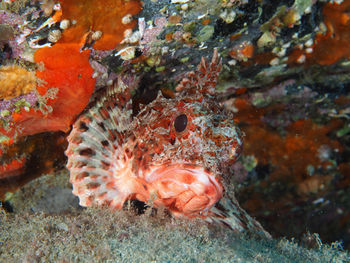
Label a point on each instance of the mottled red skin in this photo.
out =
(201, 146)
(175, 153)
(146, 157)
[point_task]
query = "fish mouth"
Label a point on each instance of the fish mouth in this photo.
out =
(185, 189)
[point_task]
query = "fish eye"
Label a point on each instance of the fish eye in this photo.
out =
(180, 123)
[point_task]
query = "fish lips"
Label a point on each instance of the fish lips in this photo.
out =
(185, 189)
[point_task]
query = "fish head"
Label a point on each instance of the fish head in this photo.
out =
(184, 148)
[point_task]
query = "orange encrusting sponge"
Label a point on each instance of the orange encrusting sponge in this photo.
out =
(67, 70)
(111, 17)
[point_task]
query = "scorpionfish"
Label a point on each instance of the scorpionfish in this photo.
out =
(174, 153)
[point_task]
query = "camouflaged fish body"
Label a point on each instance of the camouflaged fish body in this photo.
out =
(174, 153)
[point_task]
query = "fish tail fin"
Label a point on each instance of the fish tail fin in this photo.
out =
(227, 212)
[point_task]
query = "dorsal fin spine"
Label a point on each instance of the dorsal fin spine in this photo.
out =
(204, 79)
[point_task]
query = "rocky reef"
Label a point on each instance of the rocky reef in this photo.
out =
(285, 76)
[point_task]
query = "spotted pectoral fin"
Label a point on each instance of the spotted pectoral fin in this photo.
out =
(95, 143)
(106, 188)
(101, 190)
(100, 131)
(113, 105)
(204, 79)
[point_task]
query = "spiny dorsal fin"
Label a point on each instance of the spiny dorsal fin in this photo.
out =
(204, 79)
